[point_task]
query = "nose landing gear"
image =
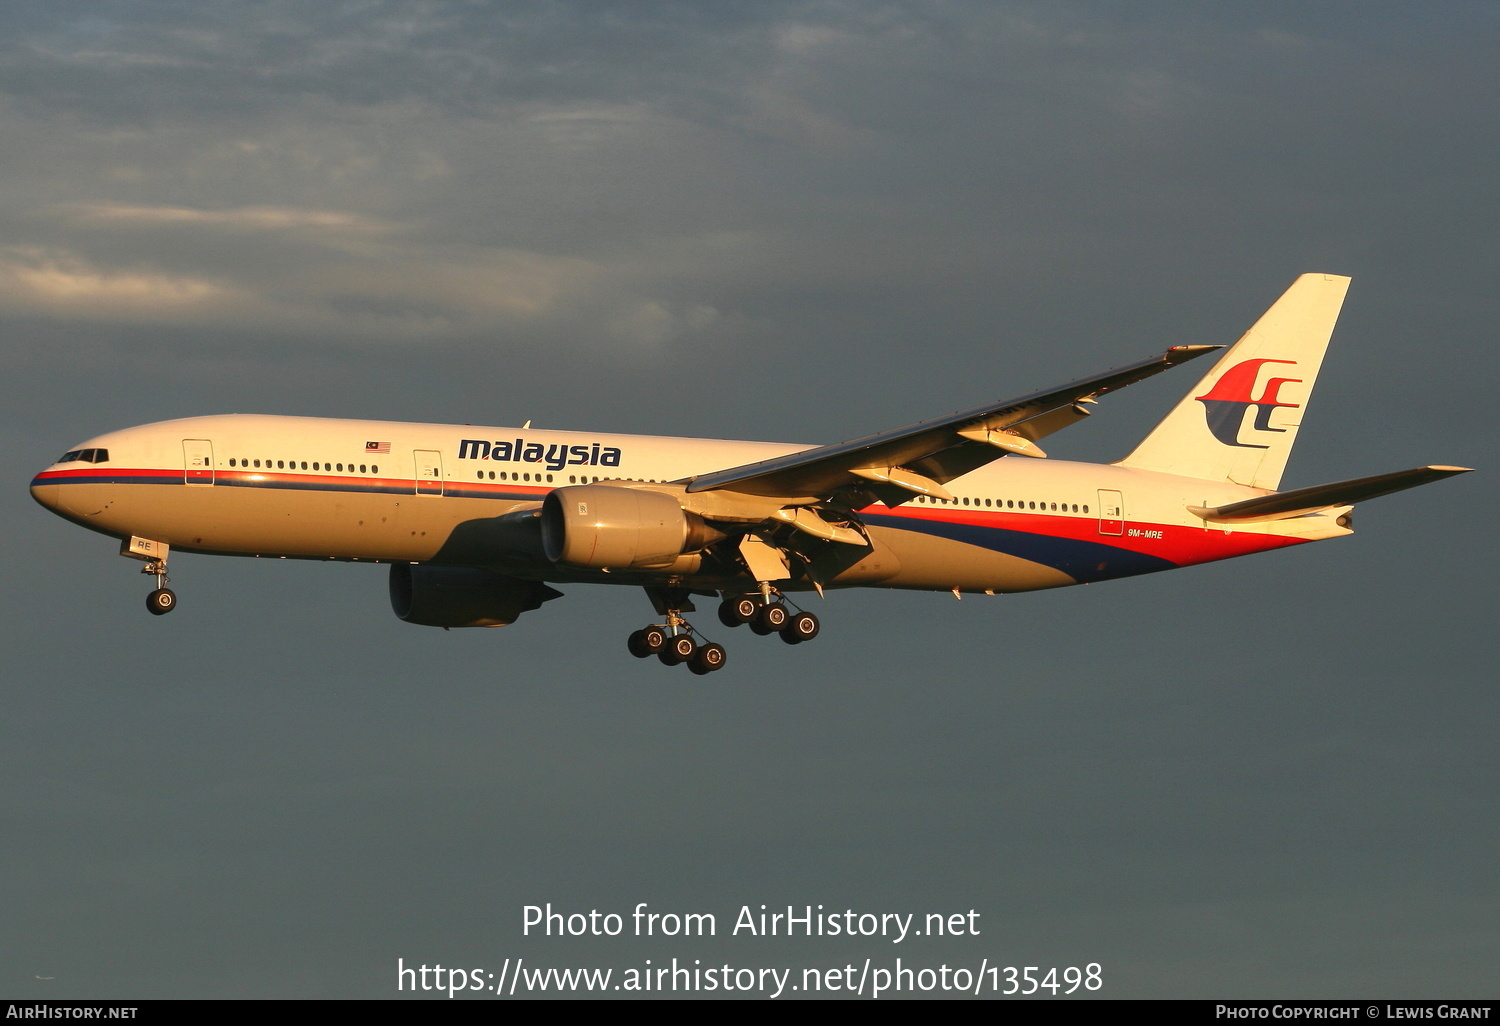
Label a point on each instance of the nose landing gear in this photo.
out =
(154, 554)
(163, 600)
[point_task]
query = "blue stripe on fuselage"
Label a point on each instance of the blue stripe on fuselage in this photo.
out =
(1081, 560)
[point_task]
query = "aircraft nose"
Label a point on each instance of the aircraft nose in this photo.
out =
(46, 494)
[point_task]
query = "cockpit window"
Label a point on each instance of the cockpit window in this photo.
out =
(86, 456)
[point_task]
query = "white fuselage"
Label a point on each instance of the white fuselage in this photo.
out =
(431, 493)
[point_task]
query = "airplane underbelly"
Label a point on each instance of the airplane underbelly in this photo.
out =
(1014, 554)
(932, 562)
(319, 524)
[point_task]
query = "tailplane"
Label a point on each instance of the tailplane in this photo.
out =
(1238, 424)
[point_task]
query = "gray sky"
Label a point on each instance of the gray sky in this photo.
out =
(1270, 777)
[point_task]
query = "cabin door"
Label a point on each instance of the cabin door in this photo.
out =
(1111, 512)
(429, 472)
(197, 461)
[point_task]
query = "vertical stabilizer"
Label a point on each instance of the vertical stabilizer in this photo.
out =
(1238, 424)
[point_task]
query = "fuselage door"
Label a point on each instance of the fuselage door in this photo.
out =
(197, 461)
(429, 472)
(1111, 512)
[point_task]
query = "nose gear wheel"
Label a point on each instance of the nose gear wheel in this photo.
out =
(162, 600)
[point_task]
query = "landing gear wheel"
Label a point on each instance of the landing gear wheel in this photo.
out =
(770, 619)
(679, 649)
(800, 628)
(161, 601)
(709, 658)
(735, 611)
(645, 642)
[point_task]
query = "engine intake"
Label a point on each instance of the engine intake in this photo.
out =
(462, 596)
(604, 527)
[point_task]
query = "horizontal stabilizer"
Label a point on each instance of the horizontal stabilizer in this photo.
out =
(1301, 501)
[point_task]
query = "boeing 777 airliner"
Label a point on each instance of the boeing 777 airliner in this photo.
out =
(478, 523)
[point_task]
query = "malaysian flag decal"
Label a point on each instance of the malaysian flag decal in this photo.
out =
(374, 447)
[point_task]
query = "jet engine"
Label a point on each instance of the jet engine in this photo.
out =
(606, 527)
(462, 596)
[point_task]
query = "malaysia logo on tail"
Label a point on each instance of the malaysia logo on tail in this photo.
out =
(1225, 403)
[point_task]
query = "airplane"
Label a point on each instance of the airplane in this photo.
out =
(477, 524)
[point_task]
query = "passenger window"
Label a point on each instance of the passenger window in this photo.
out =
(374, 469)
(361, 468)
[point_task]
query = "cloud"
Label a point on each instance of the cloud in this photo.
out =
(253, 218)
(390, 292)
(63, 284)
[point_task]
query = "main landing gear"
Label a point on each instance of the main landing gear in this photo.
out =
(676, 642)
(766, 616)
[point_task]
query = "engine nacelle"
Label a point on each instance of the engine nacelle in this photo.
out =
(608, 527)
(462, 596)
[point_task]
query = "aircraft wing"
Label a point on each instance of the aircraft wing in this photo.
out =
(919, 459)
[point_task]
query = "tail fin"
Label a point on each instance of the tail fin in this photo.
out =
(1240, 421)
